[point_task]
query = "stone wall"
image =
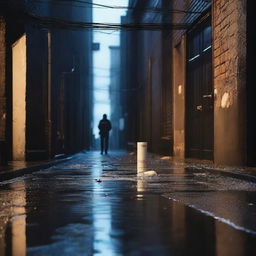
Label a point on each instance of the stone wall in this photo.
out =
(2, 80)
(229, 76)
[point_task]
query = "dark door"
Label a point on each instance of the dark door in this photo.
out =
(199, 93)
(66, 114)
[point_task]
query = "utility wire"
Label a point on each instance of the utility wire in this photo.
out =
(106, 26)
(68, 24)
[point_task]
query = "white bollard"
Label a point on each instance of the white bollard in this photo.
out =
(141, 156)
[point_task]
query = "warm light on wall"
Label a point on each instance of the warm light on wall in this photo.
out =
(19, 98)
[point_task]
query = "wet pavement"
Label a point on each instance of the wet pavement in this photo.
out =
(14, 169)
(100, 205)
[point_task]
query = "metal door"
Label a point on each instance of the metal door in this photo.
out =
(199, 93)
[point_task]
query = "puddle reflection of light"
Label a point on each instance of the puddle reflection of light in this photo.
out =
(102, 243)
(19, 222)
(140, 182)
(102, 229)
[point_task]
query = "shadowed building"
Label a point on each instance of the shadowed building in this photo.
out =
(115, 96)
(47, 106)
(193, 79)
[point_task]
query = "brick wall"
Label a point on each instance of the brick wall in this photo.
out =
(229, 65)
(2, 80)
(229, 43)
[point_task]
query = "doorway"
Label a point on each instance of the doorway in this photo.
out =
(199, 92)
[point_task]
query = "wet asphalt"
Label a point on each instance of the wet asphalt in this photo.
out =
(101, 205)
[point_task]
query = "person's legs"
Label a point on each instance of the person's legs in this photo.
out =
(106, 144)
(101, 144)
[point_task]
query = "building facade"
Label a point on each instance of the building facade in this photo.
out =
(46, 96)
(193, 77)
(146, 77)
(116, 140)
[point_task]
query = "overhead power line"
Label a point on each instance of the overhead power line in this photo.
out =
(62, 23)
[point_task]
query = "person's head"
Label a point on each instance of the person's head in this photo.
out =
(104, 116)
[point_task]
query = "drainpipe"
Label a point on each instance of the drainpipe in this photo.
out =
(49, 94)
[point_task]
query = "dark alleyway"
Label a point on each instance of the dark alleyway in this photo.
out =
(175, 77)
(64, 210)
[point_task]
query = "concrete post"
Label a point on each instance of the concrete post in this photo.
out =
(141, 156)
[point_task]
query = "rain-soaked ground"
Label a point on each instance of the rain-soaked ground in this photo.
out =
(100, 205)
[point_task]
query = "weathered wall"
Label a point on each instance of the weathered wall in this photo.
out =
(179, 80)
(19, 98)
(2, 79)
(229, 55)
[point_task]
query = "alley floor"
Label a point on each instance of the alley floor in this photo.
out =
(100, 205)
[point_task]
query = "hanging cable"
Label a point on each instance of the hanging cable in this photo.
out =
(62, 23)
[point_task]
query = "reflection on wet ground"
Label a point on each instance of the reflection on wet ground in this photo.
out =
(98, 205)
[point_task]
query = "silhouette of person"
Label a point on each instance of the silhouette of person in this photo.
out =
(104, 127)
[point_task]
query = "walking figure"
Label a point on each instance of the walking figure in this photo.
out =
(104, 127)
